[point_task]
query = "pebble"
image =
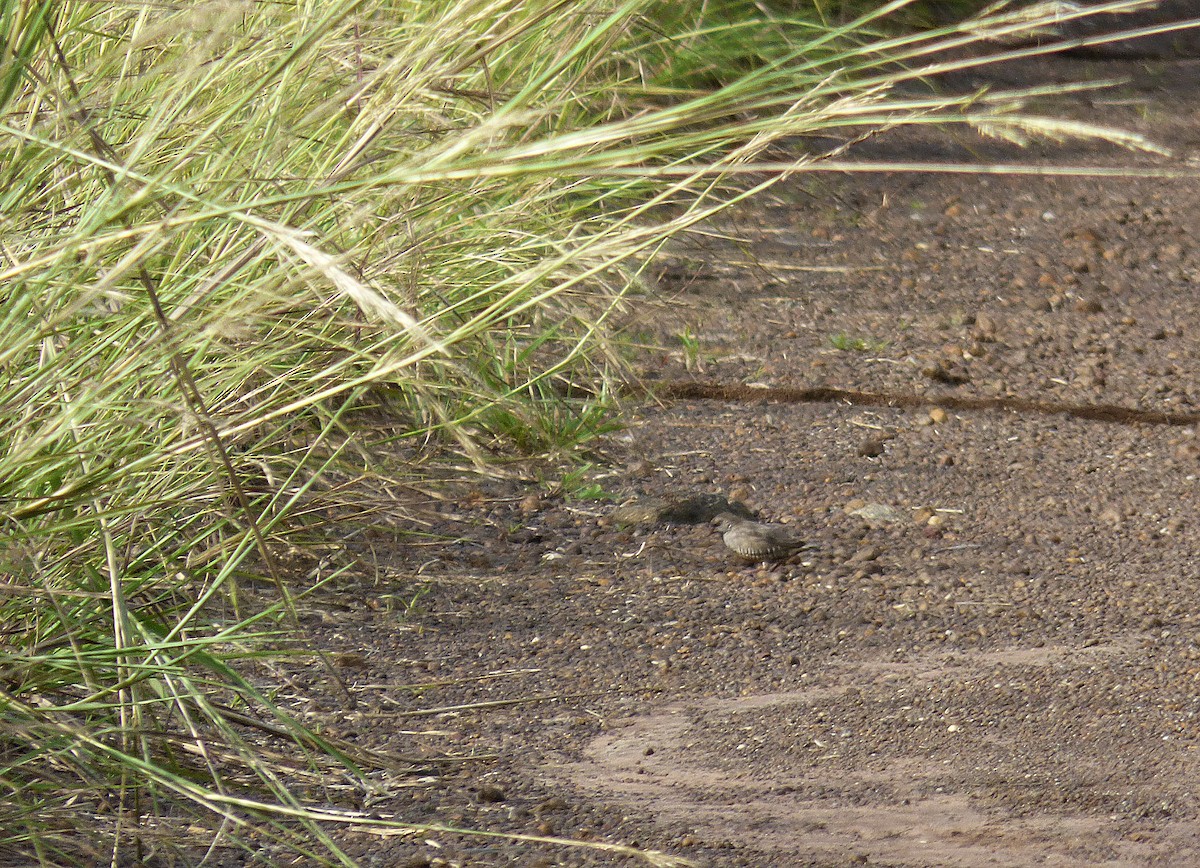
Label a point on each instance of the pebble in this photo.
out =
(490, 793)
(878, 513)
(872, 447)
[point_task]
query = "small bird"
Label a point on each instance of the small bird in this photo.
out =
(756, 540)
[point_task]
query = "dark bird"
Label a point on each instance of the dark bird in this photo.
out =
(756, 540)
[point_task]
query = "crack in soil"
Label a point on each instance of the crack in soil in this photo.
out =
(736, 393)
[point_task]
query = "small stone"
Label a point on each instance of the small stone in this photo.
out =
(640, 469)
(638, 512)
(877, 513)
(872, 447)
(1188, 450)
(350, 660)
(865, 555)
(941, 372)
(490, 793)
(937, 416)
(985, 327)
(739, 494)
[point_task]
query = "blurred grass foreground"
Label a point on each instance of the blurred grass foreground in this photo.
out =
(229, 229)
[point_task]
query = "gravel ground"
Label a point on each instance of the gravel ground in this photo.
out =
(990, 656)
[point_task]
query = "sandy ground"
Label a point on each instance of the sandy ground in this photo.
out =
(991, 655)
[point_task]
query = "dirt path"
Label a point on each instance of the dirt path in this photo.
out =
(992, 656)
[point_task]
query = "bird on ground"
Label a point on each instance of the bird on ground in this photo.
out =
(756, 540)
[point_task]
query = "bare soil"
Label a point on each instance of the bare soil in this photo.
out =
(991, 657)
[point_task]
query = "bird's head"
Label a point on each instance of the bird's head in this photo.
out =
(725, 521)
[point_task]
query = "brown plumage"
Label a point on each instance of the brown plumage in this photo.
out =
(756, 540)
